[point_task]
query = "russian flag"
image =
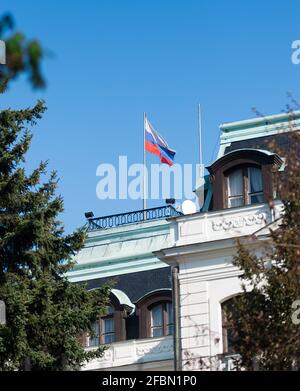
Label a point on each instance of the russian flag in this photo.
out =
(155, 144)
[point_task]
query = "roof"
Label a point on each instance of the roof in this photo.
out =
(137, 285)
(267, 120)
(281, 140)
(241, 152)
(124, 300)
(257, 134)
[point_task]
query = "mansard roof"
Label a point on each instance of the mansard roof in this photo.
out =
(258, 133)
(137, 285)
(267, 134)
(282, 141)
(244, 153)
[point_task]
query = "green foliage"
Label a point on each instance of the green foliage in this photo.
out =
(266, 333)
(46, 314)
(23, 56)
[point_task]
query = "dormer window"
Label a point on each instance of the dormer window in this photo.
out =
(107, 327)
(155, 314)
(244, 186)
(161, 319)
(236, 188)
(104, 330)
(111, 327)
(243, 177)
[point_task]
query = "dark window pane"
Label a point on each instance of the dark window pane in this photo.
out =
(255, 180)
(157, 315)
(95, 340)
(236, 201)
(109, 310)
(229, 334)
(170, 329)
(108, 332)
(256, 198)
(157, 332)
(162, 319)
(235, 183)
(109, 338)
(170, 313)
(170, 318)
(109, 326)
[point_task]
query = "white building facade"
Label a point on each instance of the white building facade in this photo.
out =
(174, 273)
(203, 253)
(138, 329)
(243, 205)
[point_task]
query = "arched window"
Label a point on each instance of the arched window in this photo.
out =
(155, 314)
(161, 319)
(94, 340)
(107, 327)
(104, 330)
(243, 177)
(244, 186)
(229, 335)
(112, 326)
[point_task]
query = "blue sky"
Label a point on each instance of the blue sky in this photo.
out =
(112, 60)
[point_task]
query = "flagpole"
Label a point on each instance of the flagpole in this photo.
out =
(200, 172)
(200, 134)
(145, 169)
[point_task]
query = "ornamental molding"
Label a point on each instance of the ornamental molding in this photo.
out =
(239, 222)
(157, 349)
(108, 355)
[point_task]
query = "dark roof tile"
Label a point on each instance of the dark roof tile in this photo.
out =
(138, 284)
(282, 140)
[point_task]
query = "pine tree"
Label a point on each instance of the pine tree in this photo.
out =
(45, 312)
(266, 334)
(23, 56)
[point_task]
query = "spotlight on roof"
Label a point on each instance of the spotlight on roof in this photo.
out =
(170, 201)
(89, 215)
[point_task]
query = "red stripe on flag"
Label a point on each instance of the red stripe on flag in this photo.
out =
(149, 147)
(152, 148)
(165, 160)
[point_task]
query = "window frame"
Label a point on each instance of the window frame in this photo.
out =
(144, 306)
(119, 316)
(267, 162)
(165, 317)
(102, 332)
(229, 305)
(247, 194)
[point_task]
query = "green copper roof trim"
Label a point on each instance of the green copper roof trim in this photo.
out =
(242, 134)
(208, 197)
(125, 238)
(257, 127)
(111, 261)
(137, 232)
(207, 182)
(92, 274)
(143, 237)
(260, 121)
(124, 300)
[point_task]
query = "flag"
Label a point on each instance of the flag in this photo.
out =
(155, 144)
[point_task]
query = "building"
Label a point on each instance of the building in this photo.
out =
(139, 325)
(241, 202)
(174, 273)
